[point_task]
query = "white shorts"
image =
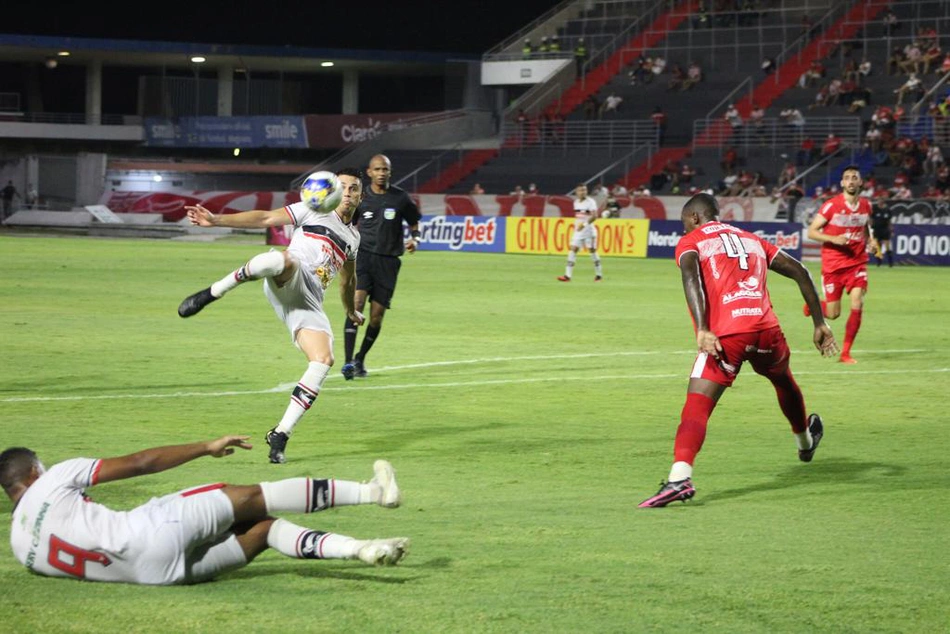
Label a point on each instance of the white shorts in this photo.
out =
(586, 238)
(184, 537)
(299, 303)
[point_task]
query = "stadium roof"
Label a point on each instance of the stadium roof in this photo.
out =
(177, 55)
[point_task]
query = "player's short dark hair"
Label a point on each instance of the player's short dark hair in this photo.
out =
(703, 204)
(15, 465)
(852, 168)
(350, 171)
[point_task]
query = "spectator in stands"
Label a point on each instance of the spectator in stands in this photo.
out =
(864, 70)
(543, 47)
(733, 117)
(901, 192)
(913, 58)
(890, 22)
(619, 189)
(807, 152)
(659, 66)
(846, 92)
(517, 191)
(793, 118)
(932, 192)
(527, 49)
(591, 107)
(729, 161)
(555, 45)
(659, 120)
(694, 75)
(934, 159)
(859, 99)
(832, 145)
(913, 86)
(677, 77)
(757, 121)
(611, 207)
(580, 56)
(701, 17)
(873, 139)
(768, 65)
(477, 190)
(850, 71)
(642, 70)
(944, 67)
(532, 190)
(686, 175)
(834, 92)
(813, 75)
(611, 104)
(788, 174)
(883, 118)
(895, 61)
(942, 180)
(931, 55)
(821, 98)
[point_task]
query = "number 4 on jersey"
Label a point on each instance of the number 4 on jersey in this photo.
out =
(735, 249)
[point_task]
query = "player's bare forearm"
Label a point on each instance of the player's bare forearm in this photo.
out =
(256, 219)
(693, 289)
(160, 459)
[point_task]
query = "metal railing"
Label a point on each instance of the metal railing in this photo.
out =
(745, 84)
(778, 134)
(618, 41)
(622, 166)
(516, 39)
(410, 182)
(915, 110)
(552, 137)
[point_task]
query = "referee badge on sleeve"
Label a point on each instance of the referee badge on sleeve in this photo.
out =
(389, 213)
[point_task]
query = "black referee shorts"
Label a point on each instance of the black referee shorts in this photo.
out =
(376, 274)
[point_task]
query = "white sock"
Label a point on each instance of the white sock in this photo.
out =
(597, 268)
(571, 259)
(303, 396)
(803, 439)
(680, 471)
(262, 265)
(303, 543)
(308, 495)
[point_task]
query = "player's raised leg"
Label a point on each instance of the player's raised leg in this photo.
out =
(263, 265)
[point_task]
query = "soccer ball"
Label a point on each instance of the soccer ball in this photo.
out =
(321, 191)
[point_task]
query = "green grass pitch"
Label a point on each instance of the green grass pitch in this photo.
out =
(526, 419)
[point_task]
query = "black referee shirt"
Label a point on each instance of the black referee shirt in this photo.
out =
(380, 217)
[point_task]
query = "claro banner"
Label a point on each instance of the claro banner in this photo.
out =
(664, 235)
(615, 237)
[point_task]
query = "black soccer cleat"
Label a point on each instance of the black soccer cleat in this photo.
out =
(817, 430)
(670, 492)
(277, 440)
(194, 303)
(348, 371)
(359, 370)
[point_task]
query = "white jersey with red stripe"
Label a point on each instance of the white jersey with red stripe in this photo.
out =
(321, 242)
(58, 531)
(585, 212)
(54, 520)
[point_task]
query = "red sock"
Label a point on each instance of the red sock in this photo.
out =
(851, 330)
(692, 430)
(791, 401)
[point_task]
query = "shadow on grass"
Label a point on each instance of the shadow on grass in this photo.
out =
(334, 571)
(838, 471)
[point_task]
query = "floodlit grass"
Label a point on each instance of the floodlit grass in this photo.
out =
(526, 419)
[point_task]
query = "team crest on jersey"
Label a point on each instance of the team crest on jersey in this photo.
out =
(389, 213)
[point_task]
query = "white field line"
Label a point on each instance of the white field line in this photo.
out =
(407, 386)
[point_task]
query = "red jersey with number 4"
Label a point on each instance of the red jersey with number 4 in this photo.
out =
(843, 219)
(734, 264)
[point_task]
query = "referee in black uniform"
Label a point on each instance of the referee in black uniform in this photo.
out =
(379, 219)
(882, 224)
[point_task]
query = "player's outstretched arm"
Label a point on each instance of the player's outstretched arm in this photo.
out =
(257, 219)
(163, 458)
(785, 265)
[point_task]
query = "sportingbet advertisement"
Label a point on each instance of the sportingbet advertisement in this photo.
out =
(484, 234)
(664, 235)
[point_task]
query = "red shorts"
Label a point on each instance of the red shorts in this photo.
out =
(843, 280)
(765, 350)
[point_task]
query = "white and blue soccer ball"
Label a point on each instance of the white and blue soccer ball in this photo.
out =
(321, 192)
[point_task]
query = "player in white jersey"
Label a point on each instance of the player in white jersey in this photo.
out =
(295, 280)
(186, 537)
(585, 233)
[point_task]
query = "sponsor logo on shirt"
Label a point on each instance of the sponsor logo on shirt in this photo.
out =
(746, 312)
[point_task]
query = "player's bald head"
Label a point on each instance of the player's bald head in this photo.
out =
(380, 159)
(702, 205)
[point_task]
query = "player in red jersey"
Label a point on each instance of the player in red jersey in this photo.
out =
(724, 271)
(841, 226)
